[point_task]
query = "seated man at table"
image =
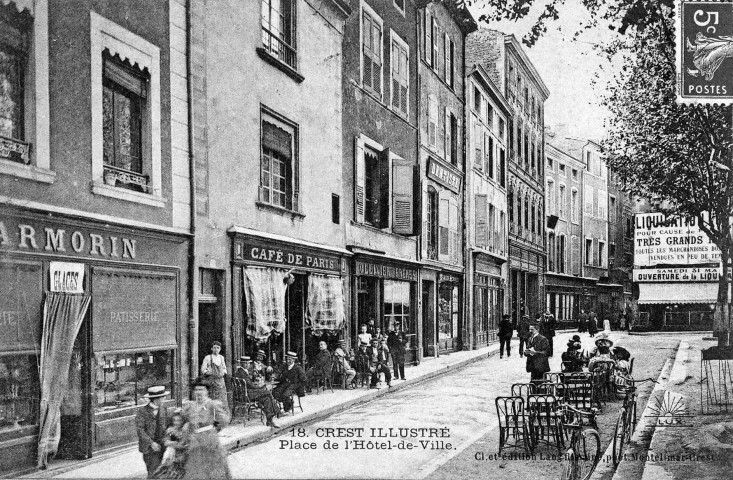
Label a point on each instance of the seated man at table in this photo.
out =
(321, 366)
(340, 356)
(378, 362)
(292, 381)
(259, 368)
(571, 358)
(257, 391)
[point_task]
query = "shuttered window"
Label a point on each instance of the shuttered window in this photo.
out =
(371, 53)
(575, 255)
(403, 174)
(432, 121)
(482, 232)
(400, 77)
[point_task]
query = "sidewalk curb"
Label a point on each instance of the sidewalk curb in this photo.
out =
(692, 332)
(606, 465)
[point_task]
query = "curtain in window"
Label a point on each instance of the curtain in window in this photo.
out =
(264, 289)
(325, 303)
(62, 317)
(277, 139)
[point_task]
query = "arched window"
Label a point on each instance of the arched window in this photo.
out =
(432, 223)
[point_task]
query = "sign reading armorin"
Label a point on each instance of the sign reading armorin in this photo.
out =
(678, 241)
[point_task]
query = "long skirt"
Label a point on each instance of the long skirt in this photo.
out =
(218, 391)
(206, 457)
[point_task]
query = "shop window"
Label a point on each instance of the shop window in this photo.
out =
(19, 391)
(397, 307)
(431, 230)
(448, 311)
(126, 126)
(278, 163)
(371, 45)
(278, 30)
(24, 118)
(123, 379)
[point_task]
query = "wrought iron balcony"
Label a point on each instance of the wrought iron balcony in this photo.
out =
(15, 150)
(276, 47)
(119, 177)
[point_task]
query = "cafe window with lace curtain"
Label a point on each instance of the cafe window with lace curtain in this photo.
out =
(278, 30)
(14, 47)
(124, 104)
(277, 163)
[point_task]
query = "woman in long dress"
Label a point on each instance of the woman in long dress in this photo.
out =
(206, 457)
(214, 368)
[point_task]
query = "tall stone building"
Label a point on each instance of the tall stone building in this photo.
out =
(507, 64)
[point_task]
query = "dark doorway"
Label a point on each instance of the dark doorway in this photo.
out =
(428, 319)
(295, 340)
(211, 309)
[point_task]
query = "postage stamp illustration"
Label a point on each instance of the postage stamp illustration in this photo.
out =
(704, 41)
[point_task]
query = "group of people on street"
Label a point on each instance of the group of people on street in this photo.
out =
(545, 325)
(376, 350)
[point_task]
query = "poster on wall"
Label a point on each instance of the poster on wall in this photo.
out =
(674, 241)
(67, 277)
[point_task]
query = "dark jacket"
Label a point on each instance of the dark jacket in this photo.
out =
(322, 363)
(523, 329)
(538, 362)
(396, 343)
(382, 356)
(505, 329)
(151, 428)
(547, 328)
(293, 378)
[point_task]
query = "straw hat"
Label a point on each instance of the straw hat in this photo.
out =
(156, 392)
(292, 355)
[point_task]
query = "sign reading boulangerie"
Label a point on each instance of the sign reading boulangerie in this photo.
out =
(67, 277)
(674, 241)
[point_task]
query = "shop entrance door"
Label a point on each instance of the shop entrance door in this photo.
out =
(428, 319)
(76, 409)
(295, 339)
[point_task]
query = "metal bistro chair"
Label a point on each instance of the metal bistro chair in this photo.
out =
(324, 379)
(241, 400)
(545, 423)
(523, 390)
(338, 374)
(553, 377)
(512, 422)
(578, 390)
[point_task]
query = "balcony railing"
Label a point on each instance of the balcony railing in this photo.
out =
(15, 150)
(119, 177)
(276, 47)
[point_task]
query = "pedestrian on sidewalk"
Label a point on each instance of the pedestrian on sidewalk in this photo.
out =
(523, 333)
(214, 369)
(582, 321)
(547, 328)
(537, 351)
(397, 344)
(151, 423)
(592, 323)
(505, 336)
(206, 417)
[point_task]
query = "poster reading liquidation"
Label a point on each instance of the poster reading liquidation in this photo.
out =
(678, 242)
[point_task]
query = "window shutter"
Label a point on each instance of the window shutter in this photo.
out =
(403, 175)
(359, 184)
(384, 193)
(425, 221)
(481, 225)
(486, 153)
(448, 138)
(434, 44)
(428, 47)
(454, 245)
(446, 57)
(492, 227)
(491, 157)
(451, 75)
(443, 226)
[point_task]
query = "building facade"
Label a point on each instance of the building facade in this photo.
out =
(621, 246)
(380, 168)
(506, 63)
(269, 190)
(443, 27)
(94, 222)
(566, 286)
(487, 118)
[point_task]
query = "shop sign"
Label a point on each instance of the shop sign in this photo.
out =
(443, 175)
(674, 241)
(448, 278)
(67, 277)
(684, 274)
(286, 255)
(370, 269)
(26, 236)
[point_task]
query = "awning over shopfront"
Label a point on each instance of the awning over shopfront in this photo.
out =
(660, 293)
(325, 303)
(264, 289)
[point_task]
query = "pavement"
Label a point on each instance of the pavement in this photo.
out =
(438, 400)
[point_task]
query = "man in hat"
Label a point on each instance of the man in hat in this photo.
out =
(257, 391)
(537, 349)
(341, 355)
(321, 365)
(523, 332)
(242, 368)
(361, 361)
(151, 423)
(397, 344)
(292, 381)
(378, 363)
(259, 368)
(547, 328)
(505, 336)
